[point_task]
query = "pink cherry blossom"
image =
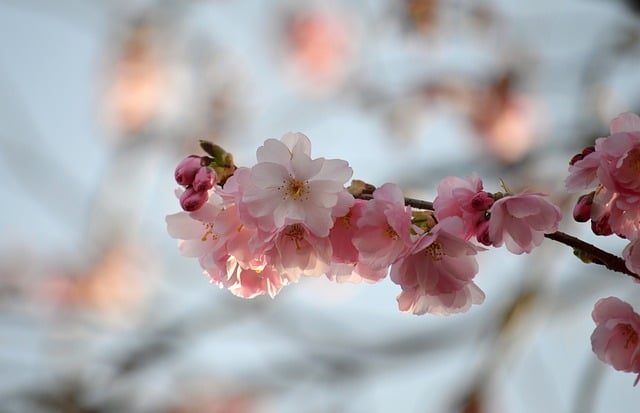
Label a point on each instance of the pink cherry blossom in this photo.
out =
(287, 186)
(413, 301)
(463, 198)
(194, 230)
(244, 282)
(626, 122)
(217, 237)
(583, 171)
(631, 255)
(345, 266)
(520, 221)
(612, 168)
(295, 250)
(384, 229)
(437, 276)
(616, 338)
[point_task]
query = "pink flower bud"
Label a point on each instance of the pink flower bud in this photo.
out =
(578, 157)
(482, 201)
(204, 180)
(191, 200)
(482, 234)
(582, 210)
(602, 226)
(187, 169)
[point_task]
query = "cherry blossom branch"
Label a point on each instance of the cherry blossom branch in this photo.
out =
(412, 202)
(591, 253)
(587, 252)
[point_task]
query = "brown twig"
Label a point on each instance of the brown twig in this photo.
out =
(595, 254)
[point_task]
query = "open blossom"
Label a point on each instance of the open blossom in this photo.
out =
(249, 282)
(520, 221)
(216, 236)
(194, 230)
(297, 251)
(463, 198)
(287, 186)
(384, 228)
(437, 275)
(345, 265)
(616, 339)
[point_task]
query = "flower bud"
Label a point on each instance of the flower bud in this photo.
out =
(582, 210)
(191, 200)
(601, 226)
(187, 169)
(578, 157)
(482, 201)
(204, 180)
(482, 233)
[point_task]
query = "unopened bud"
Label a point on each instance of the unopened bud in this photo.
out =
(482, 233)
(359, 187)
(578, 157)
(602, 226)
(187, 169)
(424, 219)
(204, 180)
(582, 210)
(482, 201)
(191, 200)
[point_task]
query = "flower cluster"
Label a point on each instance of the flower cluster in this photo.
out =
(290, 215)
(255, 230)
(611, 170)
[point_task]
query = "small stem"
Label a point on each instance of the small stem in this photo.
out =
(595, 254)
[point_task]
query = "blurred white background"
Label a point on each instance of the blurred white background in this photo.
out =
(100, 100)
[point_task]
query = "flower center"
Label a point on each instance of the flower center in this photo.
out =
(208, 227)
(435, 251)
(391, 233)
(346, 220)
(295, 188)
(632, 336)
(296, 233)
(633, 160)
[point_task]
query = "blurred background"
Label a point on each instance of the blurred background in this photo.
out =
(100, 100)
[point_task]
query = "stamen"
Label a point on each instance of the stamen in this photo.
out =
(208, 226)
(631, 334)
(391, 233)
(435, 251)
(296, 233)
